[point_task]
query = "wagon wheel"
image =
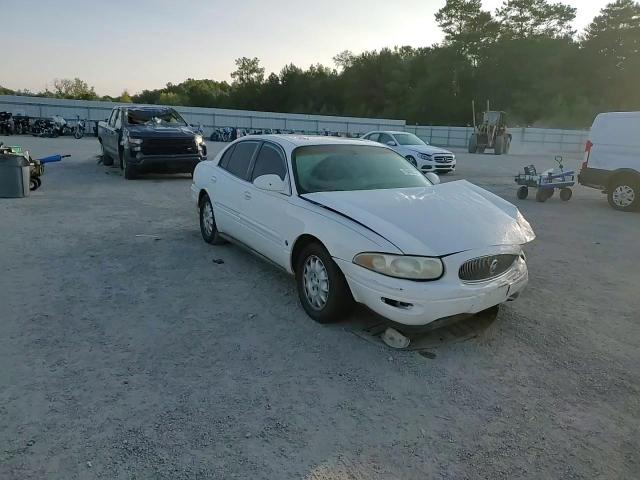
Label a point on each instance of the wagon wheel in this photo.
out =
(566, 194)
(523, 192)
(33, 184)
(541, 195)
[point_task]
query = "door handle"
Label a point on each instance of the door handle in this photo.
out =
(247, 195)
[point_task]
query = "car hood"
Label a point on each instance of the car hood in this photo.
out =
(159, 131)
(433, 221)
(428, 149)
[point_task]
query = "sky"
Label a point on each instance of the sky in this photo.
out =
(137, 44)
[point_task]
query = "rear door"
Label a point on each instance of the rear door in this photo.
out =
(267, 212)
(231, 181)
(615, 142)
(111, 136)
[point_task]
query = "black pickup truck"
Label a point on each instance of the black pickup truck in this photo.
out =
(150, 139)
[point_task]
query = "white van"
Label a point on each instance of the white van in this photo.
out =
(612, 159)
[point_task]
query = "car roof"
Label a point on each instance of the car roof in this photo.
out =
(392, 132)
(145, 107)
(305, 140)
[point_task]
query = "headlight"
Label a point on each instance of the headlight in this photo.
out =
(135, 141)
(401, 266)
(424, 156)
(199, 140)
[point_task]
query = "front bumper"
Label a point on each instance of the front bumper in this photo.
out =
(431, 166)
(420, 303)
(165, 163)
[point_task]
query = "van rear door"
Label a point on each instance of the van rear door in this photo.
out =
(614, 142)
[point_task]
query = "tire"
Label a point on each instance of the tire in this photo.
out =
(499, 145)
(129, 171)
(541, 195)
(624, 194)
(566, 194)
(473, 144)
(106, 159)
(412, 161)
(33, 185)
(38, 183)
(208, 227)
(523, 192)
(507, 145)
(315, 271)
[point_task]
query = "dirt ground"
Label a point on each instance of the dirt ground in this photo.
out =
(128, 353)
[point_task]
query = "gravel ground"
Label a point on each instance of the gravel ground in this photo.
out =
(127, 353)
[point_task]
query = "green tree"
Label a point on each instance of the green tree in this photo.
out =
(125, 97)
(5, 91)
(535, 18)
(466, 25)
(248, 71)
(75, 89)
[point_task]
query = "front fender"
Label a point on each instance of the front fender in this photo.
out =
(341, 236)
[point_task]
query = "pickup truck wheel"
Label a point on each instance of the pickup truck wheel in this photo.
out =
(106, 159)
(322, 288)
(624, 194)
(208, 227)
(129, 171)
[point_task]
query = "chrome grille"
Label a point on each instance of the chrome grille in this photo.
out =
(485, 268)
(443, 158)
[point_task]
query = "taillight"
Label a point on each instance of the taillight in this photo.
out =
(588, 146)
(587, 150)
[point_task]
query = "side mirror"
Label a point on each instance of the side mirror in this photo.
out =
(432, 177)
(270, 183)
(391, 143)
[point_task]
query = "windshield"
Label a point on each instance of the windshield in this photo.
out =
(330, 168)
(158, 117)
(408, 139)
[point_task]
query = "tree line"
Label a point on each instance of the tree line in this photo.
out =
(525, 57)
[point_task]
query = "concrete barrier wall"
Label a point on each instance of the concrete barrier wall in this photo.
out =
(525, 140)
(209, 118)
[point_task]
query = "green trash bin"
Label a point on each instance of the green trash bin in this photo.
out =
(14, 176)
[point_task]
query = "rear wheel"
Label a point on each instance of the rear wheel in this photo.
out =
(322, 288)
(544, 194)
(566, 194)
(624, 194)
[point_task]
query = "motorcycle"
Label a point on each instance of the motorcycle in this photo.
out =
(44, 127)
(6, 123)
(79, 129)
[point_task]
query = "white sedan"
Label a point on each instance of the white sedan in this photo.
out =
(354, 222)
(419, 153)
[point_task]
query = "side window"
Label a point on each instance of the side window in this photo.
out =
(118, 120)
(224, 161)
(373, 137)
(384, 138)
(269, 161)
(112, 118)
(240, 159)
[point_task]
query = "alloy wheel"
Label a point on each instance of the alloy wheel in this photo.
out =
(623, 196)
(316, 282)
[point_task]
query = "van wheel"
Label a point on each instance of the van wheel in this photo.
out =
(624, 194)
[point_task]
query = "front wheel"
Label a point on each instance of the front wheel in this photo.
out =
(566, 194)
(523, 192)
(624, 195)
(322, 288)
(499, 145)
(129, 170)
